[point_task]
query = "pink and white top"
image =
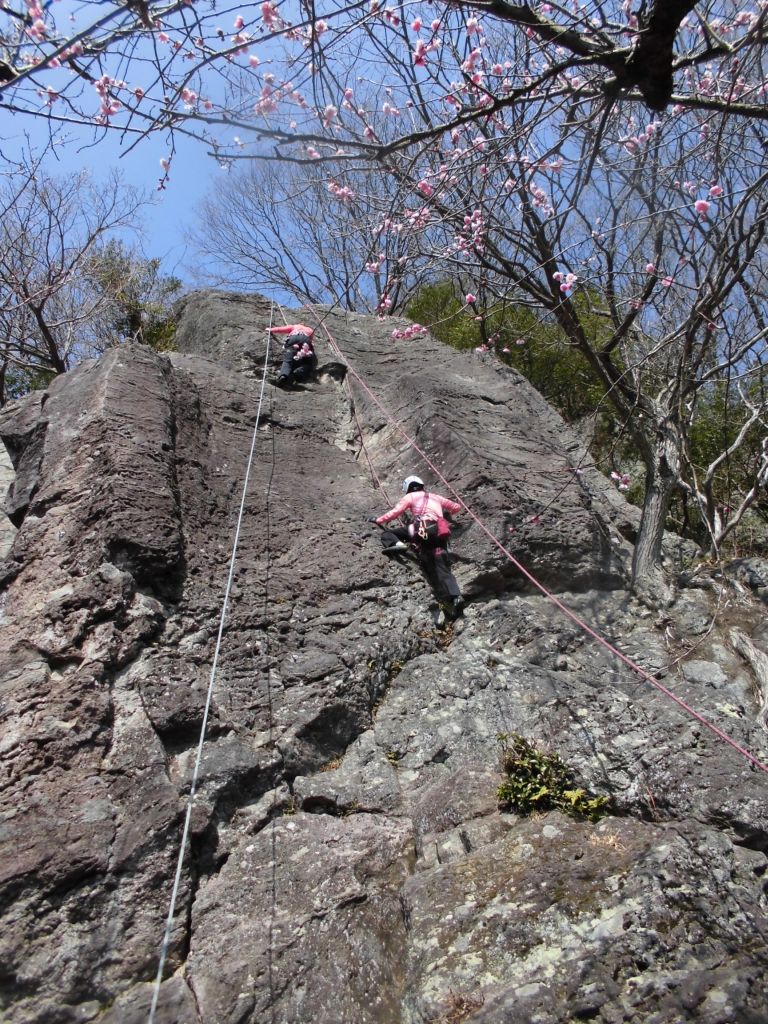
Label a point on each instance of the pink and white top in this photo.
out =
(290, 329)
(422, 505)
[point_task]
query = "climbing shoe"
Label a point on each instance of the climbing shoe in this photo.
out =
(282, 381)
(457, 606)
(394, 549)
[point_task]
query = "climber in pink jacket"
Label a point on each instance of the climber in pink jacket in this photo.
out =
(428, 531)
(299, 359)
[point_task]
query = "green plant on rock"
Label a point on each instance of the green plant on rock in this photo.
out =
(536, 781)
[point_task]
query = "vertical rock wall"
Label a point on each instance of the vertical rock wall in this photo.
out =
(348, 862)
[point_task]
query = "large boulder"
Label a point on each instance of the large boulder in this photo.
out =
(347, 860)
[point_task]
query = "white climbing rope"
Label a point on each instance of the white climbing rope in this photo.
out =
(193, 787)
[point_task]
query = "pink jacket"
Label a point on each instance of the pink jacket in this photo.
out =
(293, 329)
(423, 505)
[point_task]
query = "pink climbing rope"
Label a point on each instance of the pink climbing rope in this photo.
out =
(540, 586)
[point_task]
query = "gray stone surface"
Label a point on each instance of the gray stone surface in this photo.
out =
(348, 861)
(7, 529)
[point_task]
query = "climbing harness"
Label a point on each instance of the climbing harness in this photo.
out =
(209, 695)
(334, 346)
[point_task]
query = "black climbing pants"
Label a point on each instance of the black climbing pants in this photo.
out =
(433, 557)
(298, 370)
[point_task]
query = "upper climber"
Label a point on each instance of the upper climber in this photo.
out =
(299, 359)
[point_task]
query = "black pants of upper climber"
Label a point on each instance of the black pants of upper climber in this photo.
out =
(433, 557)
(296, 371)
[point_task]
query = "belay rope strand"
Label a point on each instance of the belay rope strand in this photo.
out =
(333, 345)
(196, 772)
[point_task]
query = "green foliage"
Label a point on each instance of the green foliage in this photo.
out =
(531, 343)
(536, 781)
(16, 381)
(140, 296)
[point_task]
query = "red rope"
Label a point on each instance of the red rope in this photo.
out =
(540, 586)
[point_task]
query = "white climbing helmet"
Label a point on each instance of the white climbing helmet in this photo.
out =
(410, 481)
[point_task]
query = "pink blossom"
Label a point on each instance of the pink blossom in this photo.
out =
(469, 298)
(715, 191)
(253, 61)
(165, 162)
(416, 24)
(650, 268)
(473, 26)
(320, 27)
(701, 206)
(239, 22)
(435, 25)
(520, 341)
(425, 188)
(506, 351)
(668, 281)
(420, 53)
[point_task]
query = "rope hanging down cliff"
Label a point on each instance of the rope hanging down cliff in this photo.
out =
(334, 346)
(209, 695)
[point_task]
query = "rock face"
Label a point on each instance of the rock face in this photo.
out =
(348, 863)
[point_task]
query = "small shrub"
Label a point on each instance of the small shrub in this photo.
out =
(541, 782)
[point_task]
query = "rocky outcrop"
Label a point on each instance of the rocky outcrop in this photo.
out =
(348, 861)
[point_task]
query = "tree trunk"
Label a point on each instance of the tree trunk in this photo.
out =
(649, 580)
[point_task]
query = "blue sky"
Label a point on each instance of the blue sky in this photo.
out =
(193, 174)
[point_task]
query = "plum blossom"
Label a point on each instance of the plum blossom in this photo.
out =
(37, 30)
(567, 281)
(715, 191)
(701, 206)
(622, 480)
(269, 14)
(412, 331)
(420, 53)
(650, 268)
(470, 299)
(425, 188)
(342, 193)
(416, 24)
